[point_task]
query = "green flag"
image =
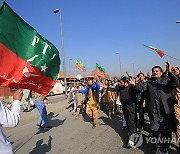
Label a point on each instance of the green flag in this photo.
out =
(28, 60)
(100, 71)
(100, 68)
(79, 64)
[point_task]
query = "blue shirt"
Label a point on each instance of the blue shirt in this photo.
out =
(95, 87)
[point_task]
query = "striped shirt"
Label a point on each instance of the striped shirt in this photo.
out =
(8, 118)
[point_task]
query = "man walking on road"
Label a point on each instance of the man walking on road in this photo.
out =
(128, 98)
(92, 91)
(39, 103)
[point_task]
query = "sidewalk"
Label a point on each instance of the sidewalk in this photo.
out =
(27, 117)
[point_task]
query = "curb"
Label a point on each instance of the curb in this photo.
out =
(27, 117)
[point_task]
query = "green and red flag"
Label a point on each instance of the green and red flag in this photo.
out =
(159, 52)
(79, 65)
(99, 71)
(27, 59)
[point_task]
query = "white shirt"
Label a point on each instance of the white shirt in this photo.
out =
(8, 118)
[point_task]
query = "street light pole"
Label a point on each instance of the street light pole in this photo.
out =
(119, 64)
(134, 70)
(62, 48)
(69, 66)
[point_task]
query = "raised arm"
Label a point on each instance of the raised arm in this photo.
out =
(116, 89)
(10, 118)
(137, 87)
(173, 80)
(83, 91)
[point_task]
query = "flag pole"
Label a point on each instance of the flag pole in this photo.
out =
(172, 57)
(155, 49)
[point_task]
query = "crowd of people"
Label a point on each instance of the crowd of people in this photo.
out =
(131, 97)
(157, 95)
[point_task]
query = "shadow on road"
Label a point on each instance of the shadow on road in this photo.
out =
(52, 122)
(86, 118)
(116, 124)
(42, 148)
(55, 122)
(52, 115)
(147, 148)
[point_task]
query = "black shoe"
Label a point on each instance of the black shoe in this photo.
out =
(39, 126)
(94, 126)
(25, 110)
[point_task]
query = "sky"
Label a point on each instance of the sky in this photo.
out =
(95, 30)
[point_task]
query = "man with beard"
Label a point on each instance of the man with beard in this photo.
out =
(160, 104)
(92, 91)
(127, 94)
(140, 101)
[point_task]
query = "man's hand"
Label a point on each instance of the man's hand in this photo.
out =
(168, 67)
(18, 95)
(144, 104)
(132, 81)
(148, 74)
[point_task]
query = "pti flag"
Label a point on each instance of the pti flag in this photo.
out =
(79, 64)
(100, 71)
(27, 59)
(159, 52)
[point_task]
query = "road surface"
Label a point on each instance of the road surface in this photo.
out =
(56, 98)
(70, 136)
